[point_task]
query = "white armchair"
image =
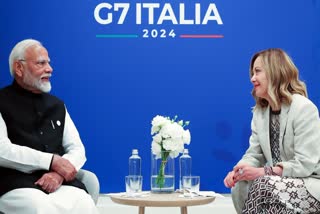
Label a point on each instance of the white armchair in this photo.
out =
(91, 182)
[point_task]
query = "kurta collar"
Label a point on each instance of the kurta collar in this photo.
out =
(23, 91)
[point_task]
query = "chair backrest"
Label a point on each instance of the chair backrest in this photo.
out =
(90, 180)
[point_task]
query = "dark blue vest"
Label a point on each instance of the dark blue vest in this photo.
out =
(35, 121)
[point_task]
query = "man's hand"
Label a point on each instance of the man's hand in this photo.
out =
(63, 167)
(50, 181)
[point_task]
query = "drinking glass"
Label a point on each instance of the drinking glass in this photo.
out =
(133, 184)
(191, 185)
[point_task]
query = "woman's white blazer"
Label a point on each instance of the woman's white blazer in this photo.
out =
(299, 141)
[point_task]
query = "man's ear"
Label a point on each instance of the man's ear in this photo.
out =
(18, 68)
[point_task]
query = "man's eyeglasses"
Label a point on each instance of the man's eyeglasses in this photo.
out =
(38, 63)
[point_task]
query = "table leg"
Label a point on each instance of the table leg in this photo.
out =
(141, 210)
(184, 210)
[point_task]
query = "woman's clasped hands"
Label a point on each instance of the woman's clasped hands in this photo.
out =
(242, 172)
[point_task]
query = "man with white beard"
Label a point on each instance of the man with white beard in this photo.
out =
(40, 147)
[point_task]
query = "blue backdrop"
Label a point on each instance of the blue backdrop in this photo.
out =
(114, 80)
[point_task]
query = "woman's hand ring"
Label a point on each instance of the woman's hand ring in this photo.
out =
(240, 171)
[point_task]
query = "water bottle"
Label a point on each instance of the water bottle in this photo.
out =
(134, 163)
(185, 166)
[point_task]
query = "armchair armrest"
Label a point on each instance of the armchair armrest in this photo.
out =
(91, 182)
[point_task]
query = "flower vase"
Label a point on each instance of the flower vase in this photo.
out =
(162, 173)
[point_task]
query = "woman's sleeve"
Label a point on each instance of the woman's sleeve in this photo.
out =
(253, 156)
(306, 137)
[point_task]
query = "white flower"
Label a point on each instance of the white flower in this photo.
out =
(156, 149)
(171, 130)
(157, 123)
(169, 136)
(157, 138)
(175, 146)
(186, 137)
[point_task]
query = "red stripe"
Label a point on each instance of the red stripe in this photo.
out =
(200, 36)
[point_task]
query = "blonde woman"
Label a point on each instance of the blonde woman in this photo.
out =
(280, 171)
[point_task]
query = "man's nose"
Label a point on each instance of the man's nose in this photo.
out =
(48, 68)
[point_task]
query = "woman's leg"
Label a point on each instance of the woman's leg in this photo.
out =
(275, 194)
(239, 194)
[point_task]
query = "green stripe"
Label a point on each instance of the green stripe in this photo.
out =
(117, 36)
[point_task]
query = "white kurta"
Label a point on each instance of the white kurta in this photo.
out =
(28, 160)
(66, 199)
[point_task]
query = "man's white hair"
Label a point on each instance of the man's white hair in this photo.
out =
(18, 52)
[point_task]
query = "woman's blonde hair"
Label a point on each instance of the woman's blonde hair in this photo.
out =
(283, 77)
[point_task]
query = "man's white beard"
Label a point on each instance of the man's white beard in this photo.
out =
(44, 86)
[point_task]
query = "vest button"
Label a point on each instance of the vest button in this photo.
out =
(41, 132)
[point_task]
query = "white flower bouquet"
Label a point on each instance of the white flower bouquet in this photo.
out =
(169, 137)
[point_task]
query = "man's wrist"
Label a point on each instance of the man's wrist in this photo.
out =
(51, 163)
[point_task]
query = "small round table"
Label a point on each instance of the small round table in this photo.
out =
(162, 200)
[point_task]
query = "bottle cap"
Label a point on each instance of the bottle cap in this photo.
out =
(185, 151)
(134, 151)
